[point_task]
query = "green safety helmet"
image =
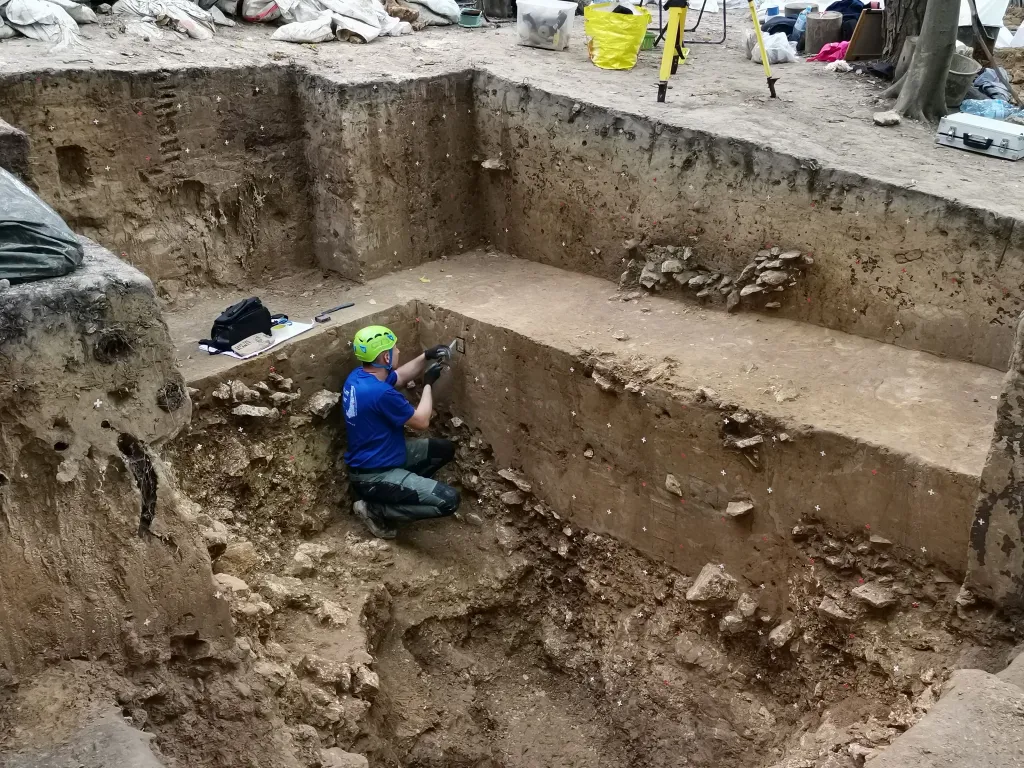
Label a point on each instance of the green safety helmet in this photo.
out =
(370, 341)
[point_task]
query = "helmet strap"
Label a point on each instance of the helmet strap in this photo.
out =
(387, 366)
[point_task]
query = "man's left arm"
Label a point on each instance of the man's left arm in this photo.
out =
(415, 367)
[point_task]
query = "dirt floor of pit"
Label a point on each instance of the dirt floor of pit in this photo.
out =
(504, 637)
(822, 116)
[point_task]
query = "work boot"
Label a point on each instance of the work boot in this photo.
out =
(378, 527)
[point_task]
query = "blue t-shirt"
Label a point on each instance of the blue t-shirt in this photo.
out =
(375, 414)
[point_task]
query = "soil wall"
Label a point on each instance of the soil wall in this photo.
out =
(395, 180)
(98, 555)
(195, 176)
(603, 454)
(890, 263)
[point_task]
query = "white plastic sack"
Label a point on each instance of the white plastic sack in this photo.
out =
(219, 18)
(6, 32)
(302, 11)
(44, 21)
(354, 20)
(389, 25)
(318, 30)
(178, 15)
(1018, 39)
(777, 46)
(228, 7)
(80, 13)
(446, 9)
(990, 12)
(260, 10)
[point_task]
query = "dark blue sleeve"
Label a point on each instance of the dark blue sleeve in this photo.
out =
(394, 407)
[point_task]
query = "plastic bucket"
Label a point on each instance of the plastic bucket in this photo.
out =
(545, 23)
(962, 71)
(793, 10)
(648, 43)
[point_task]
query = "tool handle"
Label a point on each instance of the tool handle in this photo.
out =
(340, 306)
(970, 141)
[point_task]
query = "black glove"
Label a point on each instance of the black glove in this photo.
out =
(435, 352)
(432, 374)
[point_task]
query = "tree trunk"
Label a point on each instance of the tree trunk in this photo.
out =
(922, 91)
(902, 20)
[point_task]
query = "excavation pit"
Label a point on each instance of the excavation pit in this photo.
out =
(551, 626)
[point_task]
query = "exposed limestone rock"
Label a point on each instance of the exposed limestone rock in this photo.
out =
(242, 394)
(322, 403)
(308, 557)
(239, 559)
(256, 412)
(732, 623)
(672, 485)
(366, 683)
(713, 585)
(875, 595)
(280, 399)
(782, 634)
(829, 609)
(331, 673)
(338, 758)
(332, 614)
(280, 382)
(512, 499)
(746, 606)
(516, 479)
(739, 508)
(216, 539)
(275, 675)
(231, 584)
(285, 591)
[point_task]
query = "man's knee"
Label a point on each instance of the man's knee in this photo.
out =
(449, 498)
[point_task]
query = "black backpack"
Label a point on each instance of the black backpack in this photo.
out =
(240, 321)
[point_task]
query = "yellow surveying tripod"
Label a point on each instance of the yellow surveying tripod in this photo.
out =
(673, 50)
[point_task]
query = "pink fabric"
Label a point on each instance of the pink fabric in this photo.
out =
(831, 52)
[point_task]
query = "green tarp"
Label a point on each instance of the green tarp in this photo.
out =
(35, 243)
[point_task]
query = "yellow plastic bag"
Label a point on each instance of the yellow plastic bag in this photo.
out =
(613, 39)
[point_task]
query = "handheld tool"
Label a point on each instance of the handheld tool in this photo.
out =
(447, 354)
(764, 54)
(324, 316)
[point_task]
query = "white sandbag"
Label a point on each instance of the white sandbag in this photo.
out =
(318, 30)
(447, 9)
(148, 30)
(303, 11)
(219, 18)
(42, 20)
(6, 32)
(354, 20)
(228, 7)
(83, 14)
(389, 25)
(260, 10)
(178, 15)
